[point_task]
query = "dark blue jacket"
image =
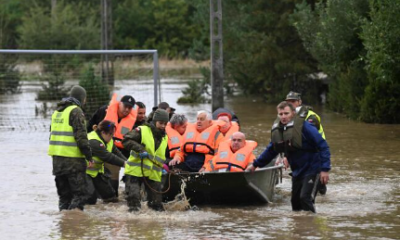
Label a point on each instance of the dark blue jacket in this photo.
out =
(312, 158)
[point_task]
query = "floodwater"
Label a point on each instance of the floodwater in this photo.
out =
(362, 201)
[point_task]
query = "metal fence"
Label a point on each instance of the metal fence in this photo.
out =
(33, 81)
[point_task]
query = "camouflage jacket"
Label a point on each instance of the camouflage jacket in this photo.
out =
(100, 150)
(66, 165)
(133, 139)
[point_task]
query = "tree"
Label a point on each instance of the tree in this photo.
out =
(72, 26)
(97, 91)
(381, 37)
(332, 36)
(164, 25)
(264, 53)
(75, 26)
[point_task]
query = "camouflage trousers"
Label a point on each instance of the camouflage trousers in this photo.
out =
(132, 193)
(100, 186)
(71, 189)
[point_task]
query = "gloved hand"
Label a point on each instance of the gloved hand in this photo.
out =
(143, 155)
(165, 167)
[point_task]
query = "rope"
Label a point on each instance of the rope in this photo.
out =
(175, 172)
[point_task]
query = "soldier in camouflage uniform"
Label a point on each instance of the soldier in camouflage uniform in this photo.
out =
(69, 147)
(148, 144)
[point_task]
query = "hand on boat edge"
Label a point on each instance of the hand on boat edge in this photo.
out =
(250, 168)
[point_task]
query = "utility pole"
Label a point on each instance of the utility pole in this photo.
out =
(107, 65)
(217, 71)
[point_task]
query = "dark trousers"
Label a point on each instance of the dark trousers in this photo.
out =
(113, 171)
(100, 186)
(132, 189)
(304, 191)
(71, 189)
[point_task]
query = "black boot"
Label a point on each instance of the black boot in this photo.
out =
(115, 185)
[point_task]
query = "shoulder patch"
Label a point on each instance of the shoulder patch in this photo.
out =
(101, 145)
(310, 120)
(137, 129)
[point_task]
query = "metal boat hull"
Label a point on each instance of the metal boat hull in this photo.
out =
(226, 187)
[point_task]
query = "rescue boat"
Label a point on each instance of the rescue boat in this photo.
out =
(225, 187)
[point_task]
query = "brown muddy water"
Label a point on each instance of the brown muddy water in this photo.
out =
(362, 200)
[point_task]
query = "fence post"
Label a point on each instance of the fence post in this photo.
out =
(155, 77)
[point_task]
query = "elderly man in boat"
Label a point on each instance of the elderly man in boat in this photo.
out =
(175, 129)
(200, 143)
(233, 155)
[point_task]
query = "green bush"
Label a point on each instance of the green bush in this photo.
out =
(332, 36)
(97, 92)
(194, 93)
(72, 26)
(54, 88)
(381, 36)
(263, 51)
(164, 25)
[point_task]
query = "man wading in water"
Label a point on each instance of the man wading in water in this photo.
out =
(306, 151)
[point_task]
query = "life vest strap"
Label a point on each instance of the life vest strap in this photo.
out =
(211, 150)
(231, 164)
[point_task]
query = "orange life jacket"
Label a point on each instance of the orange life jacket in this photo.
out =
(234, 128)
(175, 140)
(204, 142)
(125, 125)
(232, 162)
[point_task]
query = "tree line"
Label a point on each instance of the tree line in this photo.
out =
(270, 47)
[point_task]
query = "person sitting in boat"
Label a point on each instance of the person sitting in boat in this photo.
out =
(175, 130)
(224, 111)
(104, 151)
(201, 141)
(234, 155)
(229, 126)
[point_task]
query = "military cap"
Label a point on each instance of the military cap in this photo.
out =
(293, 96)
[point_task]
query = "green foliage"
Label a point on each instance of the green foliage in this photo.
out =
(359, 50)
(71, 26)
(200, 15)
(347, 91)
(53, 89)
(10, 18)
(97, 92)
(194, 93)
(264, 54)
(381, 37)
(332, 36)
(164, 25)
